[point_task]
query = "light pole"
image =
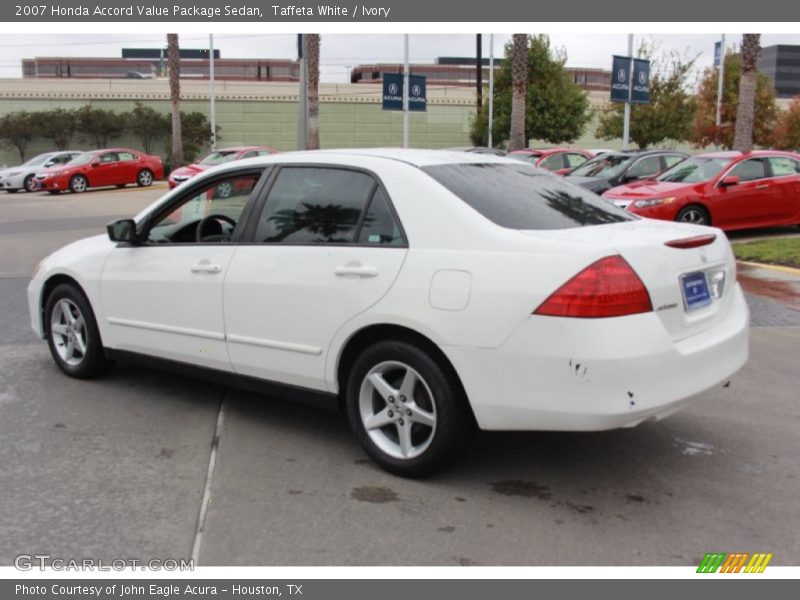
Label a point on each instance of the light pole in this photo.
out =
(626, 124)
(212, 92)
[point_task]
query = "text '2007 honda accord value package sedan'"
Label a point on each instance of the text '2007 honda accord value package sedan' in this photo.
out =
(426, 292)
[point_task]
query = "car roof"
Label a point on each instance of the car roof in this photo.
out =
(752, 153)
(411, 156)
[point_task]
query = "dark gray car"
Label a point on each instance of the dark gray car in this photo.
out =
(616, 168)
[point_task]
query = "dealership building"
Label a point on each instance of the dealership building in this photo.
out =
(781, 64)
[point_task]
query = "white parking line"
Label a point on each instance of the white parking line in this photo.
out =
(212, 461)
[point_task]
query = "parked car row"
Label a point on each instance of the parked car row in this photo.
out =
(729, 190)
(76, 171)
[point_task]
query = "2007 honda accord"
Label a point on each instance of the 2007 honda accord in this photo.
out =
(427, 292)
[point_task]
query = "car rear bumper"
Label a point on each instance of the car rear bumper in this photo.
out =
(595, 374)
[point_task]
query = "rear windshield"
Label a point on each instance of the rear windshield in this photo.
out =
(521, 197)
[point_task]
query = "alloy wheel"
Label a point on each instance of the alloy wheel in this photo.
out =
(397, 409)
(145, 178)
(68, 329)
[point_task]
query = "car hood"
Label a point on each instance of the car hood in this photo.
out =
(648, 189)
(189, 170)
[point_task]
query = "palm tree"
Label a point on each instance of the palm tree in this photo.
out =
(174, 67)
(743, 136)
(519, 78)
(312, 42)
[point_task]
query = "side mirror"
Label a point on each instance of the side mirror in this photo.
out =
(123, 230)
(730, 180)
(49, 163)
(96, 162)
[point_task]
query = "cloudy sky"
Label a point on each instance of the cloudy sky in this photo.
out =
(340, 52)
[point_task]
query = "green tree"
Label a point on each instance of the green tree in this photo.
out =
(787, 131)
(706, 132)
(556, 108)
(671, 111)
(195, 130)
(17, 129)
(100, 126)
(59, 126)
(149, 125)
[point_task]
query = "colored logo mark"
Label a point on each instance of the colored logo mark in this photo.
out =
(736, 562)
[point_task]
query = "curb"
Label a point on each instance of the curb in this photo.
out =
(779, 268)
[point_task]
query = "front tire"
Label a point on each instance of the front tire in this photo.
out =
(694, 214)
(29, 184)
(72, 333)
(78, 184)
(407, 408)
(144, 178)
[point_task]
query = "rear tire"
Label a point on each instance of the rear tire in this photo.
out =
(407, 409)
(72, 333)
(144, 178)
(694, 214)
(78, 184)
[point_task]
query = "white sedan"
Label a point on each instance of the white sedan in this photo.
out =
(426, 292)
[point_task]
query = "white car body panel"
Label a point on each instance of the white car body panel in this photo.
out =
(281, 312)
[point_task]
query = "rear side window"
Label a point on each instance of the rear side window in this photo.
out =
(783, 165)
(314, 205)
(646, 167)
(379, 226)
(517, 197)
(575, 160)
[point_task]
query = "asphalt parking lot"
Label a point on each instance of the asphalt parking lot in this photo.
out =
(117, 468)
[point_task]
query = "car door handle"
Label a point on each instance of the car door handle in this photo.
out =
(205, 267)
(357, 270)
(763, 186)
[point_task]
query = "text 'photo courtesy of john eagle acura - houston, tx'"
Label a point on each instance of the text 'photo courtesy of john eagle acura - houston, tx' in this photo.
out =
(426, 293)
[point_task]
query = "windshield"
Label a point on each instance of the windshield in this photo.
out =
(82, 159)
(518, 197)
(37, 160)
(695, 170)
(605, 165)
(219, 157)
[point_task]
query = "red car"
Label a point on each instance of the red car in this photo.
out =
(98, 168)
(217, 157)
(729, 190)
(558, 160)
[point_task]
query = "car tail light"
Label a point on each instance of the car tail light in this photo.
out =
(606, 288)
(692, 242)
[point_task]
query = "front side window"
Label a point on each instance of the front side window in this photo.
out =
(209, 214)
(645, 167)
(314, 205)
(750, 170)
(108, 157)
